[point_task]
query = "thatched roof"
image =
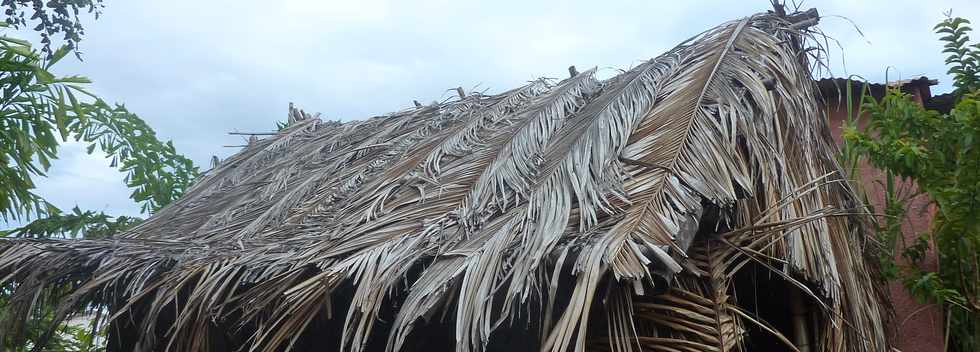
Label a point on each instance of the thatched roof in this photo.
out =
(579, 212)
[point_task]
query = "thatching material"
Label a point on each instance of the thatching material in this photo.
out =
(608, 213)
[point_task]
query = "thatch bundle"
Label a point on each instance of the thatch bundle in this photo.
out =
(603, 214)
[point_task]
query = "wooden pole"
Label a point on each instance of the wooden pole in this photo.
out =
(801, 334)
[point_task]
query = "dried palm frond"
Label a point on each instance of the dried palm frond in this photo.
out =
(611, 214)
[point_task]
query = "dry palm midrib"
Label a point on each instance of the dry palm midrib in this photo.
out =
(671, 166)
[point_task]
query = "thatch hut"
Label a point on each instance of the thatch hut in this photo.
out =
(691, 203)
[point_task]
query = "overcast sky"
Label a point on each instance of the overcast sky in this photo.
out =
(195, 69)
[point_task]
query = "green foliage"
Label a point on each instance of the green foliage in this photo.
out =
(37, 109)
(77, 223)
(962, 58)
(30, 119)
(850, 156)
(940, 153)
(51, 17)
(154, 170)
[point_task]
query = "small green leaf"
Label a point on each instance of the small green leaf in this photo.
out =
(43, 76)
(21, 50)
(58, 55)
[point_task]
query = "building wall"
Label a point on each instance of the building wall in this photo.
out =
(916, 327)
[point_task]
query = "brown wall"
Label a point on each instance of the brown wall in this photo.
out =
(917, 327)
